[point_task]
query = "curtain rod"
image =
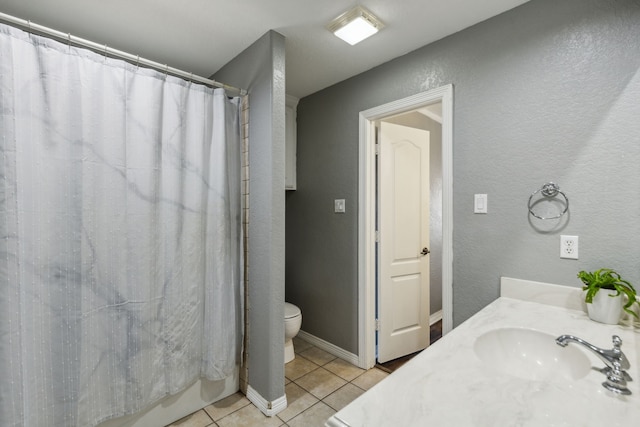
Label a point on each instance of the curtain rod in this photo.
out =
(104, 49)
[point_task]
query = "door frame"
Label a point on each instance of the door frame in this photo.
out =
(367, 209)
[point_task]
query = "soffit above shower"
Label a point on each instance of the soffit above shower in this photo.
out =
(201, 36)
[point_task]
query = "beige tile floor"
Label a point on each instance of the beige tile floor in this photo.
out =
(317, 385)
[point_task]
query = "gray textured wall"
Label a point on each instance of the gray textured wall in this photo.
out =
(548, 91)
(260, 69)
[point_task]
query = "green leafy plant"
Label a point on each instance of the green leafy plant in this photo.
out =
(606, 278)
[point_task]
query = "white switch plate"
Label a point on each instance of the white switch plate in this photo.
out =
(338, 205)
(569, 247)
(480, 203)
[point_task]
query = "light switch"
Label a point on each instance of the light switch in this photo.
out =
(338, 205)
(480, 203)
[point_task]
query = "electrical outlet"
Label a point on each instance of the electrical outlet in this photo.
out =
(569, 247)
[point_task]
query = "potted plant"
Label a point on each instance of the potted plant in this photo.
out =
(606, 306)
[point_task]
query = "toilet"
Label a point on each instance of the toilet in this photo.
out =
(292, 323)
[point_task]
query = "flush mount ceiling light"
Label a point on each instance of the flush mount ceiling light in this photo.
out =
(355, 25)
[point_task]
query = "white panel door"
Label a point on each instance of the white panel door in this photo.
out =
(403, 284)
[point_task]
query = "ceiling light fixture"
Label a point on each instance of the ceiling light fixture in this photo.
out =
(355, 25)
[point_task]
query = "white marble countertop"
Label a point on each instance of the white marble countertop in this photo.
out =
(448, 385)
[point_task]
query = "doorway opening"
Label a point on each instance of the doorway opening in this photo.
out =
(432, 105)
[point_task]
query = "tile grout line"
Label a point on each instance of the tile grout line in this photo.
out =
(316, 366)
(322, 400)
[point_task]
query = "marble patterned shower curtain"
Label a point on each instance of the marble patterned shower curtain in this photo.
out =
(119, 234)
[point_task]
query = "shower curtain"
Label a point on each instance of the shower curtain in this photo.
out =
(120, 278)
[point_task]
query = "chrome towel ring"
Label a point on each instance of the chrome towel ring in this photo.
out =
(549, 191)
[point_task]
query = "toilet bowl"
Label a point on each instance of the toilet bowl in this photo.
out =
(292, 323)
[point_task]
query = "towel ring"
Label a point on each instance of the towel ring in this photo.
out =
(549, 190)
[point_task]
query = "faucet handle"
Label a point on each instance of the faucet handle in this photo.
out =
(617, 341)
(622, 358)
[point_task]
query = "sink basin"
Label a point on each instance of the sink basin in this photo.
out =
(531, 355)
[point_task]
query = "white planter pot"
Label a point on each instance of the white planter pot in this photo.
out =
(605, 309)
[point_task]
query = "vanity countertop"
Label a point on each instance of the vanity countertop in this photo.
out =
(448, 385)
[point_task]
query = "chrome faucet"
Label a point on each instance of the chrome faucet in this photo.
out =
(616, 362)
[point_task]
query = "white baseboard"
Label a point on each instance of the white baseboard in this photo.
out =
(435, 317)
(344, 354)
(270, 409)
(329, 348)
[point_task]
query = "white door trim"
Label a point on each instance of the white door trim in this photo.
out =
(366, 215)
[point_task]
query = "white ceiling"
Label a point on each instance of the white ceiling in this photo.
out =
(201, 36)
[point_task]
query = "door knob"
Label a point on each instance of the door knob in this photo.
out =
(425, 251)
